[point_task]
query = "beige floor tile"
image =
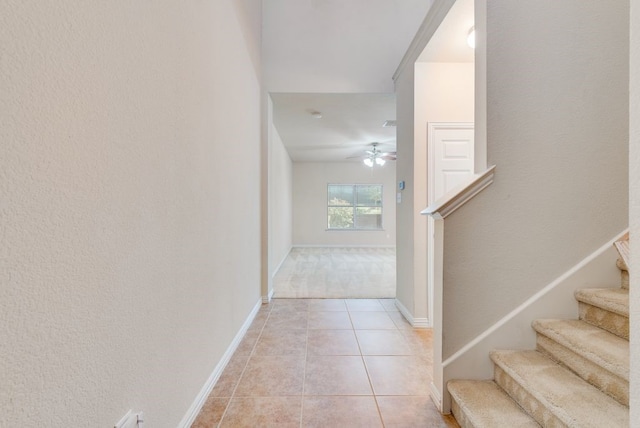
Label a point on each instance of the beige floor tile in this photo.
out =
(327, 305)
(398, 375)
(248, 342)
(260, 319)
(424, 335)
(282, 342)
(420, 340)
(382, 342)
(334, 412)
(371, 321)
(300, 364)
(276, 412)
(410, 412)
(362, 305)
(211, 412)
(286, 320)
(400, 321)
(271, 376)
(289, 305)
(230, 377)
(332, 342)
(336, 375)
(329, 321)
(389, 305)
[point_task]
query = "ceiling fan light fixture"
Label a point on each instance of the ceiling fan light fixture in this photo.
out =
(368, 162)
(380, 161)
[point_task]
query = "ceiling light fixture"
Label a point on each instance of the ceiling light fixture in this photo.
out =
(376, 157)
(316, 115)
(471, 38)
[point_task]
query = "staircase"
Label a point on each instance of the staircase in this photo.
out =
(578, 376)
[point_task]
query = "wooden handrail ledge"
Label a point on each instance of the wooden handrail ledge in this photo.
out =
(458, 196)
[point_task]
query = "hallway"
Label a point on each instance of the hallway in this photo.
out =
(327, 363)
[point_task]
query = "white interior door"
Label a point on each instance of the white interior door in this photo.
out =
(451, 147)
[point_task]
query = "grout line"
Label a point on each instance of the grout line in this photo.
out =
(304, 367)
(233, 393)
(366, 369)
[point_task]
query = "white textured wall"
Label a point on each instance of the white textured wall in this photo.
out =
(634, 210)
(310, 181)
(280, 202)
(557, 106)
(406, 211)
(129, 209)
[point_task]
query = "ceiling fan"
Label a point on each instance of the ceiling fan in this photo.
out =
(375, 156)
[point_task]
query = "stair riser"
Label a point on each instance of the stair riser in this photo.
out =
(612, 322)
(625, 279)
(483, 404)
(596, 375)
(527, 401)
(460, 416)
(624, 273)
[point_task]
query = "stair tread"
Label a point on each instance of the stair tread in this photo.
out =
(615, 300)
(485, 404)
(595, 344)
(567, 396)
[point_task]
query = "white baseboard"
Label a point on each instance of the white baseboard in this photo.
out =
(196, 406)
(267, 298)
(415, 322)
(341, 246)
(514, 331)
(435, 396)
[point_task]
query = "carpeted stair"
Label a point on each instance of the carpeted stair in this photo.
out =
(578, 376)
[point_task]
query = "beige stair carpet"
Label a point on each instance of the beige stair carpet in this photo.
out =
(578, 376)
(485, 405)
(553, 395)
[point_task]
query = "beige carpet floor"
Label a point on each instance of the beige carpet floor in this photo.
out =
(338, 273)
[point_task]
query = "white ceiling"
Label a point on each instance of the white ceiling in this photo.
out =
(349, 124)
(336, 46)
(449, 42)
(338, 57)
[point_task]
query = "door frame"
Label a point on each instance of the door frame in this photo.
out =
(432, 252)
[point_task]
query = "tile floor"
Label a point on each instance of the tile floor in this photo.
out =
(327, 363)
(318, 272)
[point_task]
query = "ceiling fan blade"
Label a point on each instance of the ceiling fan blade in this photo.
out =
(388, 157)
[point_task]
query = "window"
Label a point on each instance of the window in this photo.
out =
(354, 206)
